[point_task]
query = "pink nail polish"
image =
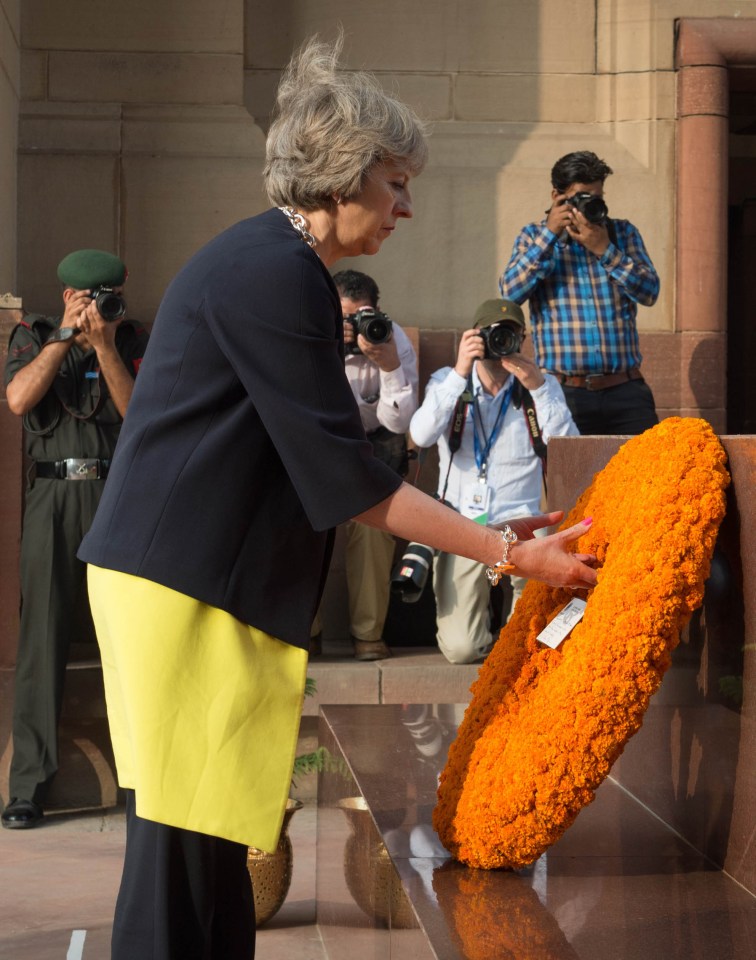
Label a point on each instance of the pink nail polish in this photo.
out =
(588, 521)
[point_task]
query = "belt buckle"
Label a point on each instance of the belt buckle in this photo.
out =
(77, 469)
(590, 377)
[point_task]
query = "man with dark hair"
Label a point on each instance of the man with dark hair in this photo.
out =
(70, 378)
(584, 275)
(356, 286)
(383, 378)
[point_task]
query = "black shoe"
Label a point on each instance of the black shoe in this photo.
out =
(21, 814)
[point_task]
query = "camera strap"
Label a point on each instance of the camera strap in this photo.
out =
(612, 231)
(457, 427)
(522, 398)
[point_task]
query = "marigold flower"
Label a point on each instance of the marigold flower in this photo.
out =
(544, 726)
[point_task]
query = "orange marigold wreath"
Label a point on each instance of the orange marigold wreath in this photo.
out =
(544, 726)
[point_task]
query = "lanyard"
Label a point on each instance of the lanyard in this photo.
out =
(482, 453)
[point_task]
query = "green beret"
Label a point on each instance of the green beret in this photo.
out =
(494, 311)
(85, 269)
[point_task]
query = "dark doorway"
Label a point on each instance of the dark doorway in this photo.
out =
(741, 273)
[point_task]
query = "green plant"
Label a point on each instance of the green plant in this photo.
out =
(309, 762)
(319, 759)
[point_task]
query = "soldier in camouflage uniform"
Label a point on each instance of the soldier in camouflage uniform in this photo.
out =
(70, 379)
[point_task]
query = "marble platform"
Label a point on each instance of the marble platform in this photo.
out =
(620, 884)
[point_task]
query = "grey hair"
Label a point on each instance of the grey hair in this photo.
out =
(331, 128)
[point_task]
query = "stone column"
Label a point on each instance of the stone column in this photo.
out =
(705, 48)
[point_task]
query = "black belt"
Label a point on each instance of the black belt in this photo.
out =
(74, 468)
(599, 381)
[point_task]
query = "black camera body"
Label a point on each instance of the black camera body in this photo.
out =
(110, 305)
(501, 339)
(593, 208)
(374, 326)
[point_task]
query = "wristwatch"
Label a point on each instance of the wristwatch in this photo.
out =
(61, 335)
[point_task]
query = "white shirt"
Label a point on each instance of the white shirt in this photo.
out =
(514, 469)
(385, 399)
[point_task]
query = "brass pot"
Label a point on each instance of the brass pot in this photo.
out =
(271, 872)
(369, 872)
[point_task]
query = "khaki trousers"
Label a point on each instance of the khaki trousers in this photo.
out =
(369, 555)
(463, 627)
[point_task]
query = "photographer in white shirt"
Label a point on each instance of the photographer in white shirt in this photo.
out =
(495, 474)
(381, 368)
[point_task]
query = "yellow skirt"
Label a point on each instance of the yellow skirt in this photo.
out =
(203, 709)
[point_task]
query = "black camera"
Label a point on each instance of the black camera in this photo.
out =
(374, 326)
(411, 573)
(110, 305)
(593, 208)
(501, 339)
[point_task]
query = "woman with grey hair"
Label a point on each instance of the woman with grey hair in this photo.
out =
(241, 451)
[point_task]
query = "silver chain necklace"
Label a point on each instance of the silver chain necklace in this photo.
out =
(300, 225)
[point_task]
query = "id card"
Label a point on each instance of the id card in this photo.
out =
(476, 500)
(563, 623)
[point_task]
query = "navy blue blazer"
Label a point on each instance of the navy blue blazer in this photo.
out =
(242, 446)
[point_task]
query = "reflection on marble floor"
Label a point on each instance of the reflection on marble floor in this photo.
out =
(620, 884)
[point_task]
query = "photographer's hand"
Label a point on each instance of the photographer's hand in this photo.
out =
(560, 215)
(524, 369)
(471, 348)
(349, 335)
(76, 302)
(100, 335)
(593, 236)
(95, 331)
(384, 355)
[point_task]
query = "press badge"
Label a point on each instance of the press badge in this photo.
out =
(563, 623)
(476, 500)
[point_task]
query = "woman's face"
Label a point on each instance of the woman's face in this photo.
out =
(364, 221)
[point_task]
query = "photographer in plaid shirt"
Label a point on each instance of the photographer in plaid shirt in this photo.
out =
(584, 275)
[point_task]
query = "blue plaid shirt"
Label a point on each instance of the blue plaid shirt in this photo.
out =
(582, 307)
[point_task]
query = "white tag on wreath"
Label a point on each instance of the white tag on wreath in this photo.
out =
(563, 623)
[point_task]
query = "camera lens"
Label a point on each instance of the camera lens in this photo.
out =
(374, 326)
(594, 210)
(109, 304)
(376, 331)
(502, 340)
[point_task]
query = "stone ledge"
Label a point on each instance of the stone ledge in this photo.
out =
(412, 675)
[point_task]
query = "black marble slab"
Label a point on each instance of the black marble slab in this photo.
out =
(620, 885)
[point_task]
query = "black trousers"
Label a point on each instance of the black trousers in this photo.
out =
(183, 896)
(625, 409)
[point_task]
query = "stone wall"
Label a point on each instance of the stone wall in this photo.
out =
(508, 88)
(10, 71)
(133, 137)
(140, 138)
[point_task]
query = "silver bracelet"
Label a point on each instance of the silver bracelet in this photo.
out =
(505, 565)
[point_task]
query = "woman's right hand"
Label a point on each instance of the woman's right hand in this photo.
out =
(548, 559)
